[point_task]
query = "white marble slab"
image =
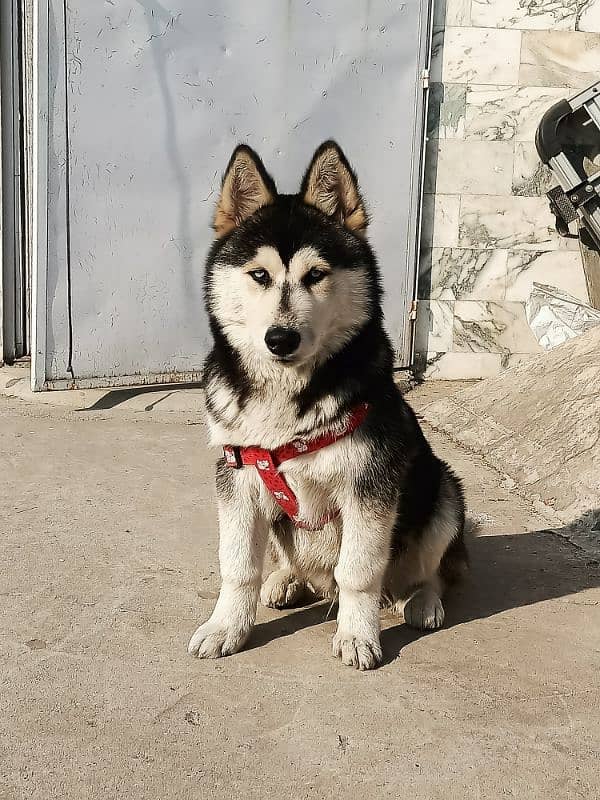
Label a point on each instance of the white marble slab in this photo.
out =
(525, 14)
(517, 223)
(559, 58)
(457, 274)
(450, 13)
(589, 16)
(483, 55)
(477, 168)
(461, 366)
(494, 327)
(458, 12)
(446, 111)
(439, 225)
(436, 58)
(433, 329)
(507, 112)
(531, 178)
(562, 268)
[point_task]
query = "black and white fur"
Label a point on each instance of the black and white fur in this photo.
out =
(302, 263)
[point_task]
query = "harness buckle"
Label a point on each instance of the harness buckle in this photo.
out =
(233, 456)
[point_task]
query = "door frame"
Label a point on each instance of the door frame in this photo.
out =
(39, 194)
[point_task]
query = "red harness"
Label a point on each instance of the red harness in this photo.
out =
(267, 464)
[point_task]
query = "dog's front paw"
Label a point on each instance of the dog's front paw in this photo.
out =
(216, 639)
(362, 653)
(282, 590)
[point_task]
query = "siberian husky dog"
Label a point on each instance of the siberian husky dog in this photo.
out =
(299, 384)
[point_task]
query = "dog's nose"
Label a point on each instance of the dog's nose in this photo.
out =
(282, 341)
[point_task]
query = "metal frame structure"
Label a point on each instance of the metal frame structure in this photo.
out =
(564, 138)
(39, 195)
(14, 280)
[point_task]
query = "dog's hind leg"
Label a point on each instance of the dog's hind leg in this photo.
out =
(417, 578)
(282, 589)
(423, 609)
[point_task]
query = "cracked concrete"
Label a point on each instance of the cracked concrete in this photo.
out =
(110, 560)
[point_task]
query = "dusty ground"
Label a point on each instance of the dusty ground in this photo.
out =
(109, 562)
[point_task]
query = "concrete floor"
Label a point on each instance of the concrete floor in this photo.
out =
(110, 561)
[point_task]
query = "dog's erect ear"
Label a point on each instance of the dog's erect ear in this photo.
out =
(247, 186)
(331, 186)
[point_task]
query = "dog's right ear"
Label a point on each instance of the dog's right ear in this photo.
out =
(246, 187)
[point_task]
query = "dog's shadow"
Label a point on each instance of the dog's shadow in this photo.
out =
(507, 572)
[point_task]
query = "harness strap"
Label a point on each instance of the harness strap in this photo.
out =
(267, 464)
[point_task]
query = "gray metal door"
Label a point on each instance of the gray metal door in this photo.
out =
(145, 104)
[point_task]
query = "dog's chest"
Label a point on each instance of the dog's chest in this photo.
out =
(321, 481)
(263, 421)
(315, 483)
(318, 480)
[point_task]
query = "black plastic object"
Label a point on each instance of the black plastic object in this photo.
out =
(547, 139)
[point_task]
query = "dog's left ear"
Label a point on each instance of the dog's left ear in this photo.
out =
(331, 186)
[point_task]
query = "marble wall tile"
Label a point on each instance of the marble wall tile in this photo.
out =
(525, 14)
(559, 58)
(461, 366)
(431, 166)
(433, 329)
(588, 16)
(439, 224)
(437, 53)
(517, 223)
(447, 273)
(507, 112)
(531, 178)
(480, 168)
(562, 268)
(458, 12)
(446, 111)
(450, 13)
(483, 55)
(439, 15)
(492, 327)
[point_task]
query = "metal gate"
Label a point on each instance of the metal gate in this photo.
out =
(139, 107)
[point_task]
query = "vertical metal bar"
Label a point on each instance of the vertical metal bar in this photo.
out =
(68, 189)
(1, 248)
(25, 28)
(17, 186)
(9, 272)
(406, 342)
(421, 142)
(39, 239)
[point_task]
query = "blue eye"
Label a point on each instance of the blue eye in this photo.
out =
(314, 276)
(261, 276)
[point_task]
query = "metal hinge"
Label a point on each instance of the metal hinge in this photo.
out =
(425, 78)
(412, 314)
